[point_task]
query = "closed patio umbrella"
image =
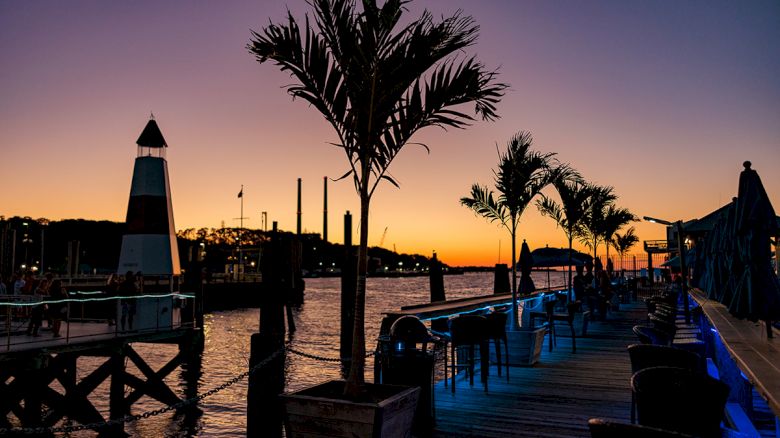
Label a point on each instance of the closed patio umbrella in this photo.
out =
(757, 292)
(526, 263)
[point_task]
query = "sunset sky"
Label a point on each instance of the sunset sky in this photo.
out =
(663, 100)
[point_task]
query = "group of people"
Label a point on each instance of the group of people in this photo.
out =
(595, 289)
(49, 289)
(125, 287)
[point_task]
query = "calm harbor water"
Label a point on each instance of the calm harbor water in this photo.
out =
(226, 352)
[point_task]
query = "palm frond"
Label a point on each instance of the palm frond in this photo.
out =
(483, 203)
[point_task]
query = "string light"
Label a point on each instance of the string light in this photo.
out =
(175, 295)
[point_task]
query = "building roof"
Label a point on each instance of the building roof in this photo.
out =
(707, 223)
(151, 136)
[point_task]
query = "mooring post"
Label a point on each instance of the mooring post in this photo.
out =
(116, 395)
(437, 291)
(348, 285)
(501, 279)
(264, 409)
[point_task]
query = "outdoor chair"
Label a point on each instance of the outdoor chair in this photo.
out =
(600, 428)
(651, 335)
(550, 317)
(680, 400)
(648, 355)
(497, 332)
(466, 333)
(669, 327)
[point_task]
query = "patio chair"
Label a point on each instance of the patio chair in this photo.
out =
(651, 335)
(497, 332)
(466, 333)
(648, 355)
(680, 400)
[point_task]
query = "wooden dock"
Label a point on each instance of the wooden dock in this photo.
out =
(554, 398)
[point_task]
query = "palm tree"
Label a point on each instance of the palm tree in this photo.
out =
(623, 243)
(614, 219)
(377, 82)
(522, 174)
(576, 196)
(593, 222)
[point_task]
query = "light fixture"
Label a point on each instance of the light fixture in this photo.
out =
(683, 269)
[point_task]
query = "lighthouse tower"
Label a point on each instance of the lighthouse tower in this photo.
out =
(149, 245)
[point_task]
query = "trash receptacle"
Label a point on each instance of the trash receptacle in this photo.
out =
(410, 363)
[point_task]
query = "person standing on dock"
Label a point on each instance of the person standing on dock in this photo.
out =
(128, 291)
(36, 314)
(112, 286)
(57, 311)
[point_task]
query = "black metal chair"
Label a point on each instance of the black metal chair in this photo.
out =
(470, 331)
(600, 428)
(497, 332)
(651, 335)
(648, 355)
(550, 316)
(680, 400)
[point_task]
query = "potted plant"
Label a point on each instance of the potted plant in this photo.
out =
(377, 81)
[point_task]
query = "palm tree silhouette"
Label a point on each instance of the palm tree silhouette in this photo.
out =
(614, 219)
(593, 222)
(623, 242)
(377, 80)
(576, 197)
(522, 174)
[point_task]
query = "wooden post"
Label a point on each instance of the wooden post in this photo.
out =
(117, 405)
(348, 285)
(325, 210)
(437, 291)
(299, 208)
(191, 350)
(501, 279)
(264, 410)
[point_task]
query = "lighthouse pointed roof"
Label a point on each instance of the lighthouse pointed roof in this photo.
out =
(151, 136)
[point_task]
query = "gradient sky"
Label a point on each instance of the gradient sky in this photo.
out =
(663, 100)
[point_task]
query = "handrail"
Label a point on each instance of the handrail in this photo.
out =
(91, 322)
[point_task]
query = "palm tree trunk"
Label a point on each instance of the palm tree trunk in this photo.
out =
(569, 289)
(515, 317)
(356, 379)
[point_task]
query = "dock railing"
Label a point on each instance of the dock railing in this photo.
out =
(91, 316)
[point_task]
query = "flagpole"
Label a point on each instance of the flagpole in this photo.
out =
(240, 231)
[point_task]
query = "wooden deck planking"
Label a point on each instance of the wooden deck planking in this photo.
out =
(557, 396)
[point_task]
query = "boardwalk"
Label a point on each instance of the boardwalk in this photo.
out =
(557, 396)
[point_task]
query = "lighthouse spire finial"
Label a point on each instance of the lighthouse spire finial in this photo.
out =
(151, 115)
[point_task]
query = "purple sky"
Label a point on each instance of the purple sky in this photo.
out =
(663, 100)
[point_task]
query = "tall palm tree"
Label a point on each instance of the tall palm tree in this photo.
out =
(378, 81)
(623, 242)
(522, 174)
(593, 222)
(576, 196)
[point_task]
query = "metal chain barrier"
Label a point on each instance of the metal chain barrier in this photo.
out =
(175, 406)
(325, 358)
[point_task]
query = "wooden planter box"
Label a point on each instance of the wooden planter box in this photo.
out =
(321, 411)
(525, 346)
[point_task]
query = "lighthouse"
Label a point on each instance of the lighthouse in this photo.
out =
(149, 245)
